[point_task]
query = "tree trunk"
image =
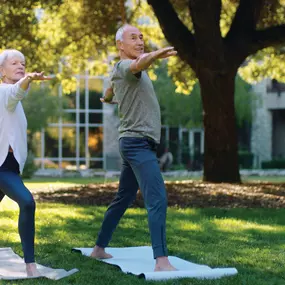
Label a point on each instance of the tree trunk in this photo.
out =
(221, 147)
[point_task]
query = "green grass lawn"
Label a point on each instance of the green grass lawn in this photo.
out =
(252, 240)
(274, 179)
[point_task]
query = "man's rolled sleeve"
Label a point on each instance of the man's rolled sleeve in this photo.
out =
(125, 70)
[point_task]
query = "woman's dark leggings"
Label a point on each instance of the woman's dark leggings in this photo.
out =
(12, 185)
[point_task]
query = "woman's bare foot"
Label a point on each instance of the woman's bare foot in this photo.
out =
(99, 252)
(32, 270)
(163, 264)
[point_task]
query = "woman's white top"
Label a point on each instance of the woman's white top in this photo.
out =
(13, 123)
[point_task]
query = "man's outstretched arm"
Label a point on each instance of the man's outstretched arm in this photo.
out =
(146, 59)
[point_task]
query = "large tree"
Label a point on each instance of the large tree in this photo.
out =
(215, 54)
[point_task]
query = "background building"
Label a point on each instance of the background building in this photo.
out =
(268, 126)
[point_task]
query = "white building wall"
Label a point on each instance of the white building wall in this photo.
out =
(261, 138)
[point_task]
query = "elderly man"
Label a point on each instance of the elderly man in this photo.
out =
(139, 135)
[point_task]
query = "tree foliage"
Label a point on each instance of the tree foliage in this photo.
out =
(41, 106)
(80, 34)
(265, 57)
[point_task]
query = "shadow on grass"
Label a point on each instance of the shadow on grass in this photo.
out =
(180, 194)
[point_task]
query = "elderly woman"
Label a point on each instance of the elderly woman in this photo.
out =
(13, 146)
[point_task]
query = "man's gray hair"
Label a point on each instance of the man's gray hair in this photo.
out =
(120, 32)
(7, 53)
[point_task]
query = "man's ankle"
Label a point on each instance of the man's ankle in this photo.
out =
(161, 258)
(98, 248)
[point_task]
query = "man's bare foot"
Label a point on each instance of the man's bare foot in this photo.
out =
(99, 252)
(163, 264)
(32, 270)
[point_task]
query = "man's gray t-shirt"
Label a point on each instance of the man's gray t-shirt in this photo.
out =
(139, 110)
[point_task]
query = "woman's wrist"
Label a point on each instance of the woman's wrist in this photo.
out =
(29, 78)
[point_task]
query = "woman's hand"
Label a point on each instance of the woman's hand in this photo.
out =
(37, 76)
(31, 77)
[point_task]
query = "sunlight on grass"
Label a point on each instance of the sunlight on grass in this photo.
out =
(46, 185)
(188, 226)
(250, 240)
(62, 212)
(49, 185)
(8, 204)
(63, 182)
(231, 225)
(133, 211)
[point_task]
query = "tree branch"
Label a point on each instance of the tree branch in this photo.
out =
(260, 39)
(130, 18)
(206, 21)
(272, 36)
(246, 18)
(174, 30)
(123, 11)
(238, 41)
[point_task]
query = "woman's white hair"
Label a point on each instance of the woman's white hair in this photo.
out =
(120, 32)
(7, 53)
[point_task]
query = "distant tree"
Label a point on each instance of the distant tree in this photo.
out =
(41, 106)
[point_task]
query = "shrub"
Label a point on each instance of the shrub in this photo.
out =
(245, 159)
(273, 164)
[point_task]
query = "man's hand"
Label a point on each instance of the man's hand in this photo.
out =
(108, 96)
(145, 60)
(164, 52)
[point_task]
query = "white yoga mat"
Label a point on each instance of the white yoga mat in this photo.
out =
(12, 266)
(139, 261)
